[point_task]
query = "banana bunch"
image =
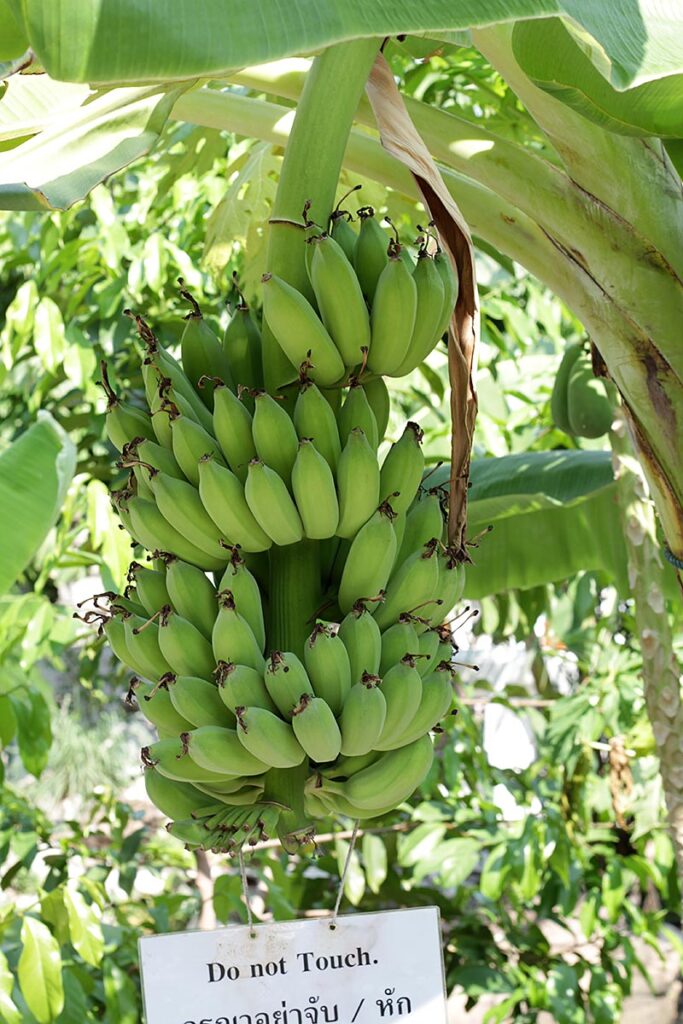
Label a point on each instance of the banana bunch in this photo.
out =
(267, 717)
(373, 307)
(581, 403)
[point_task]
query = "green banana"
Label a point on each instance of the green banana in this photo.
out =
(449, 588)
(241, 685)
(286, 680)
(153, 454)
(161, 413)
(559, 398)
(155, 533)
(192, 595)
(339, 805)
(370, 252)
(314, 418)
(340, 300)
(155, 703)
(397, 641)
(299, 332)
(150, 585)
(424, 521)
(428, 648)
(242, 345)
(186, 650)
(274, 435)
(314, 492)
(271, 504)
(390, 780)
(123, 421)
(316, 729)
(170, 758)
(343, 233)
(190, 442)
(393, 315)
(347, 765)
(268, 738)
(363, 641)
(357, 412)
(437, 696)
(176, 800)
(370, 559)
(181, 506)
(428, 314)
(241, 796)
(588, 406)
(358, 484)
(377, 395)
(165, 383)
(233, 638)
(220, 750)
(201, 351)
(142, 640)
(222, 495)
(402, 469)
(115, 632)
(328, 667)
(414, 583)
(242, 584)
(198, 701)
(363, 716)
(449, 278)
(402, 689)
(232, 426)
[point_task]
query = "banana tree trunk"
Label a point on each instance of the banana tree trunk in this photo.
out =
(661, 671)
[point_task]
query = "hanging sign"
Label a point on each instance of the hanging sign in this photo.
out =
(368, 968)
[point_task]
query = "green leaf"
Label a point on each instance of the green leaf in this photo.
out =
(560, 62)
(115, 41)
(9, 1013)
(8, 722)
(13, 39)
(120, 996)
(374, 861)
(84, 927)
(34, 733)
(35, 472)
(453, 860)
(81, 145)
(419, 843)
(40, 971)
(354, 885)
(553, 515)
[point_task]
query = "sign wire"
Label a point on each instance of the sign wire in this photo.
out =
(245, 892)
(342, 880)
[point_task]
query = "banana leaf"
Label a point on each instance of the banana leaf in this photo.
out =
(35, 472)
(553, 514)
(123, 41)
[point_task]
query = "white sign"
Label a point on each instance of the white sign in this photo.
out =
(370, 967)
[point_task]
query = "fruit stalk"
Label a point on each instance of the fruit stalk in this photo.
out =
(310, 170)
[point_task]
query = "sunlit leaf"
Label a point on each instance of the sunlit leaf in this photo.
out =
(40, 971)
(35, 472)
(81, 146)
(84, 927)
(120, 41)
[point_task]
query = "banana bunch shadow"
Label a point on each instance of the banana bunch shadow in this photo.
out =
(281, 701)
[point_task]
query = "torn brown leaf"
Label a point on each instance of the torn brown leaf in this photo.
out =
(400, 138)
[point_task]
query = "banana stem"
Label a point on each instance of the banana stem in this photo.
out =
(294, 595)
(310, 170)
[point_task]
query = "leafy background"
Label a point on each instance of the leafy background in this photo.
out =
(508, 851)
